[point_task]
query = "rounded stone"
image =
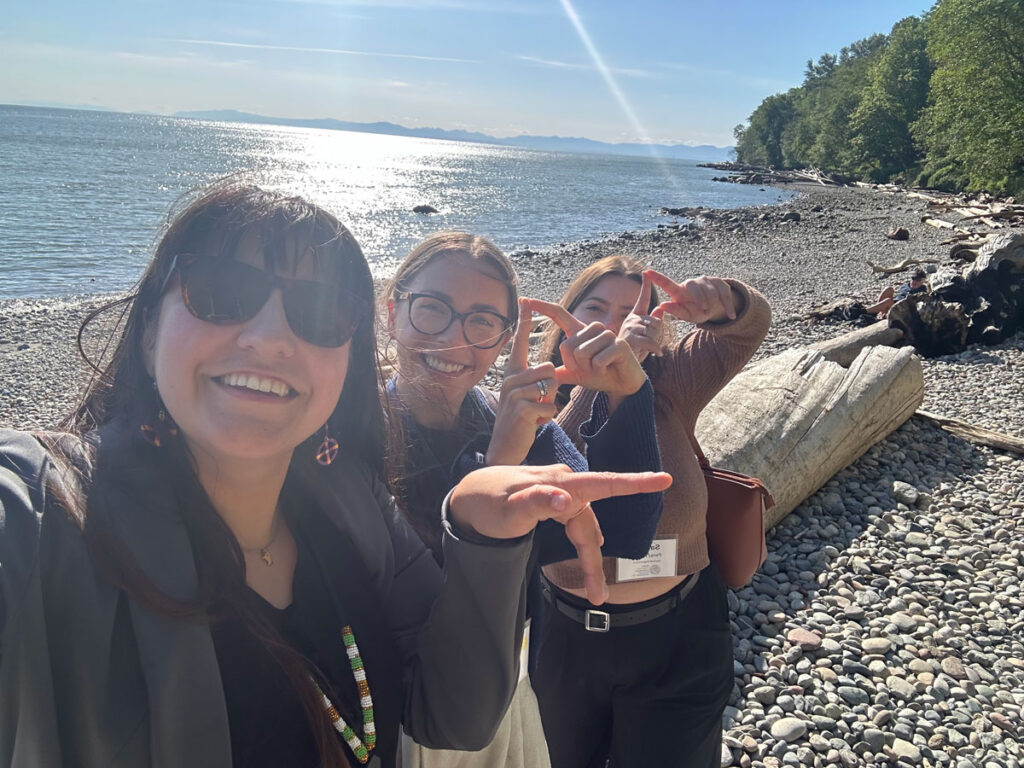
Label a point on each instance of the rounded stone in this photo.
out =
(852, 695)
(879, 645)
(804, 639)
(953, 667)
(789, 729)
(904, 750)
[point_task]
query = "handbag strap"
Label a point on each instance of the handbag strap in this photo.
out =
(701, 458)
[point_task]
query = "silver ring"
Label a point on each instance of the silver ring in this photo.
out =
(542, 385)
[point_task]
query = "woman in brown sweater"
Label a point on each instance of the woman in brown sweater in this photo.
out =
(645, 680)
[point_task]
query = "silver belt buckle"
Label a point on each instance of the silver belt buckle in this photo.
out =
(597, 621)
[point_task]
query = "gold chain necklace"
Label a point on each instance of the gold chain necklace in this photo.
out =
(264, 551)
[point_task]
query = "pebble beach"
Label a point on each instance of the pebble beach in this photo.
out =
(887, 624)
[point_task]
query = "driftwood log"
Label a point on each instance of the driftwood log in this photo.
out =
(973, 433)
(796, 419)
(752, 174)
(982, 303)
(903, 266)
(844, 349)
(842, 308)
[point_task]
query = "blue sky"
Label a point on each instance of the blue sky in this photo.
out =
(674, 71)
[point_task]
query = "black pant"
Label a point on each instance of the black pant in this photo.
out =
(646, 696)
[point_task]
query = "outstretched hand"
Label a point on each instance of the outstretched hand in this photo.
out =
(507, 502)
(640, 330)
(698, 300)
(527, 398)
(592, 356)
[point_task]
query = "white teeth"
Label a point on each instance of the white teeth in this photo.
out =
(438, 364)
(257, 384)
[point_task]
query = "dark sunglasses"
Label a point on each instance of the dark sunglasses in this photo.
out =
(227, 292)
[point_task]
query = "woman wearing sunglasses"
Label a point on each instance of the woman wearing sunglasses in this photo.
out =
(206, 569)
(651, 689)
(452, 305)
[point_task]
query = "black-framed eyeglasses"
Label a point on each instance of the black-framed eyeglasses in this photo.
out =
(432, 316)
(227, 292)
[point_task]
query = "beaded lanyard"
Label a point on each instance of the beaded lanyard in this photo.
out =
(359, 748)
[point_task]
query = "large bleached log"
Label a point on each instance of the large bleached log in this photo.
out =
(844, 349)
(796, 419)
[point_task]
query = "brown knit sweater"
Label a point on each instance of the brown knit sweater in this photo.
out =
(685, 379)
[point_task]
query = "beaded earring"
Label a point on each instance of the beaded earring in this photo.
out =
(155, 434)
(328, 450)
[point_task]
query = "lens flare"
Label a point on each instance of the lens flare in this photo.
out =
(617, 94)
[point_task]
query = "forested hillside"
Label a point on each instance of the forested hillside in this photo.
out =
(938, 102)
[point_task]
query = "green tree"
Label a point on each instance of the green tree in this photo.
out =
(828, 106)
(760, 143)
(882, 144)
(810, 125)
(973, 128)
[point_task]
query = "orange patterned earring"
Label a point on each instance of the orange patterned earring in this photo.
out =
(155, 434)
(328, 450)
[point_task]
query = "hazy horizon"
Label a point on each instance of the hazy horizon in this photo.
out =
(663, 72)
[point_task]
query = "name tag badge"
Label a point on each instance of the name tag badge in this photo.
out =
(659, 561)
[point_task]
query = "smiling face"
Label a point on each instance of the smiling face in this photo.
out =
(609, 302)
(443, 368)
(251, 390)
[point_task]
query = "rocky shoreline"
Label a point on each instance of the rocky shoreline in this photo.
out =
(887, 626)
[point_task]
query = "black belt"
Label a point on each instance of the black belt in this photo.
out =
(601, 621)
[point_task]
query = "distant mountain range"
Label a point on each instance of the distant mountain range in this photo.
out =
(704, 152)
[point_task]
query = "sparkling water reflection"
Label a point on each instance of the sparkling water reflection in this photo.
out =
(83, 194)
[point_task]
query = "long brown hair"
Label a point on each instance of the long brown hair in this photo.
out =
(617, 265)
(121, 396)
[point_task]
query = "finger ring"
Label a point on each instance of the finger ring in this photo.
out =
(646, 320)
(542, 385)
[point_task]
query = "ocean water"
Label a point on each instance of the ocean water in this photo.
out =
(83, 194)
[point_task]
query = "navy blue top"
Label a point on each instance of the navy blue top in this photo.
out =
(905, 290)
(436, 460)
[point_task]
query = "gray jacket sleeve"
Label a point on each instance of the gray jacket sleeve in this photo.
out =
(459, 636)
(22, 497)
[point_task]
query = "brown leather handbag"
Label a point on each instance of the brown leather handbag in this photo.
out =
(735, 520)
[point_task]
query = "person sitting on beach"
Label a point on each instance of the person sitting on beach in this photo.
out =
(889, 296)
(207, 569)
(644, 682)
(451, 307)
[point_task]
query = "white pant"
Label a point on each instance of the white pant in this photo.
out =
(519, 742)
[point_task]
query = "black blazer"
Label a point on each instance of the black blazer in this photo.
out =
(91, 678)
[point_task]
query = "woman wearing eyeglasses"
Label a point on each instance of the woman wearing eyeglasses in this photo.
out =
(207, 569)
(452, 306)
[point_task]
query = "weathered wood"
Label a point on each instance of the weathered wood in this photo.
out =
(973, 433)
(901, 267)
(844, 349)
(960, 236)
(933, 326)
(796, 419)
(755, 175)
(842, 308)
(940, 223)
(925, 196)
(982, 302)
